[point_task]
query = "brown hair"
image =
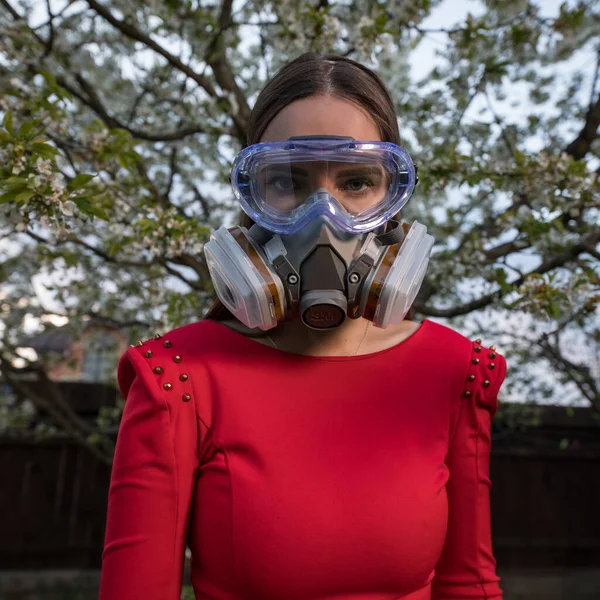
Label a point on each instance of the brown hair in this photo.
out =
(314, 74)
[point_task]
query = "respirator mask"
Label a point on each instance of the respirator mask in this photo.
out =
(324, 245)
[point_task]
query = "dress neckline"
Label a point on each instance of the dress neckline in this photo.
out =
(257, 346)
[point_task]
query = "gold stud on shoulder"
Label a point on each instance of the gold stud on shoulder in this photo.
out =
(467, 394)
(492, 348)
(477, 349)
(492, 366)
(140, 343)
(478, 341)
(471, 377)
(486, 383)
(492, 355)
(167, 344)
(157, 336)
(167, 386)
(148, 354)
(186, 397)
(177, 358)
(158, 370)
(132, 345)
(475, 361)
(183, 377)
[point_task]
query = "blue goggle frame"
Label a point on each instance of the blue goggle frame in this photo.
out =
(396, 160)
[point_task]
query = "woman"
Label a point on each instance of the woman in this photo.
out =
(309, 442)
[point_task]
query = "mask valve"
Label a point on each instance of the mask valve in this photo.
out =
(323, 309)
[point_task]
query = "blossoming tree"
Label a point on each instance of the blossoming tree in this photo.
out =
(120, 121)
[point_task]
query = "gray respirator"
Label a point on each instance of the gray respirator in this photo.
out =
(321, 273)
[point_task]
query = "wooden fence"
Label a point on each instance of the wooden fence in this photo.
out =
(545, 501)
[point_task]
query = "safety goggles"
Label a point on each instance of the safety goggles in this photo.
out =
(357, 185)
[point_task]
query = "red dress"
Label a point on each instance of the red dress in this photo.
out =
(303, 478)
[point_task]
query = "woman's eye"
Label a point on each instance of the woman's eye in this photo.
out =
(282, 183)
(357, 185)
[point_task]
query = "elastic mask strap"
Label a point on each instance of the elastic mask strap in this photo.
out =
(394, 236)
(275, 254)
(259, 235)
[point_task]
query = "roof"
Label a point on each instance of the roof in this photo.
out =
(60, 339)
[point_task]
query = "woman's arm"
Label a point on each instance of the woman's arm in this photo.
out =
(467, 567)
(151, 483)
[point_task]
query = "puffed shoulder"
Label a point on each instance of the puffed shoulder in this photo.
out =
(485, 374)
(161, 366)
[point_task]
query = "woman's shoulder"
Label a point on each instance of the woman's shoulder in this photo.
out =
(174, 367)
(443, 337)
(189, 343)
(478, 364)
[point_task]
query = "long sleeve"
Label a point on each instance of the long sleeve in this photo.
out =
(151, 483)
(467, 567)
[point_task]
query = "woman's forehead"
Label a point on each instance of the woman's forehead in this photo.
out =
(322, 115)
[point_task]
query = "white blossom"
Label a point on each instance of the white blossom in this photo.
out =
(19, 85)
(57, 182)
(44, 166)
(19, 166)
(365, 22)
(67, 208)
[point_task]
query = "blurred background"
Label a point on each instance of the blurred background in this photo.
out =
(120, 120)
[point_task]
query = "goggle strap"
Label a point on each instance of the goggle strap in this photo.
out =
(259, 235)
(395, 235)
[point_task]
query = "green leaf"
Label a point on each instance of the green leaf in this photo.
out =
(99, 212)
(44, 150)
(10, 196)
(554, 309)
(83, 203)
(16, 187)
(14, 180)
(80, 180)
(25, 196)
(28, 128)
(8, 122)
(86, 206)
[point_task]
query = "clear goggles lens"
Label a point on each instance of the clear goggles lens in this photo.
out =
(358, 185)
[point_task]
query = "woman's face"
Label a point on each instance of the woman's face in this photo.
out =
(357, 187)
(322, 115)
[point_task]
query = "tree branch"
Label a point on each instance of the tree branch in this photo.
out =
(559, 260)
(580, 374)
(203, 201)
(580, 146)
(57, 408)
(224, 75)
(193, 262)
(185, 260)
(507, 248)
(173, 171)
(99, 253)
(132, 32)
(92, 100)
(13, 12)
(591, 250)
(50, 42)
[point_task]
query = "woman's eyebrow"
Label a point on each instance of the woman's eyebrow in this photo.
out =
(288, 169)
(358, 170)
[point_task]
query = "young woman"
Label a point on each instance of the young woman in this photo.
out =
(306, 440)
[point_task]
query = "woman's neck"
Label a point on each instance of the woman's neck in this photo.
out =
(345, 340)
(354, 336)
